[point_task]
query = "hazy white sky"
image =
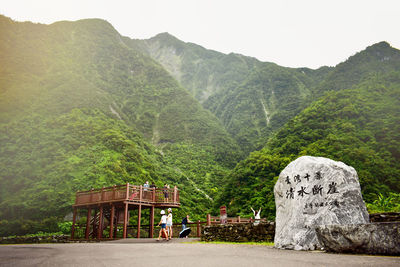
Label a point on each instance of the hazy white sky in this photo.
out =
(292, 33)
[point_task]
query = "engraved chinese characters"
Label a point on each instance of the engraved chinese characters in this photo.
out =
(315, 191)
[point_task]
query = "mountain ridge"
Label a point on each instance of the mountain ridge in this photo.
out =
(61, 86)
(83, 106)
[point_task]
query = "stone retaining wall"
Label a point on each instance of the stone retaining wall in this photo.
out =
(385, 217)
(35, 239)
(240, 232)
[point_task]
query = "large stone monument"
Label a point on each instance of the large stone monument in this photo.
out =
(315, 191)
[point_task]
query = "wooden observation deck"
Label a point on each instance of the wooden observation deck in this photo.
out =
(113, 204)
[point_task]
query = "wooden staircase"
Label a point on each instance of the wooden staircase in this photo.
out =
(95, 222)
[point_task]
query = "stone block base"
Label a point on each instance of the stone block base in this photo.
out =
(373, 238)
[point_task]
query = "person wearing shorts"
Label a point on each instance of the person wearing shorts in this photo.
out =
(169, 223)
(163, 223)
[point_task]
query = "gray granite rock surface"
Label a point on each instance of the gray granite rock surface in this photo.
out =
(373, 238)
(315, 191)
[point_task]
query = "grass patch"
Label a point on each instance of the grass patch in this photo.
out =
(270, 244)
(38, 234)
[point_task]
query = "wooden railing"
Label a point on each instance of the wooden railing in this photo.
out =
(145, 230)
(128, 192)
(231, 220)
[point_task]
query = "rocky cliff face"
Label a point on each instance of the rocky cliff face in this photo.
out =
(251, 98)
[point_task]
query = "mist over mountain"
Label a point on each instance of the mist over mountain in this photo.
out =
(251, 98)
(81, 109)
(379, 58)
(358, 126)
(82, 106)
(258, 101)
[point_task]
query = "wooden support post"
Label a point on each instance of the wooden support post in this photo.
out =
(154, 195)
(91, 196)
(113, 195)
(198, 228)
(139, 219)
(102, 194)
(125, 218)
(73, 224)
(116, 225)
(151, 230)
(100, 227)
(140, 193)
(208, 219)
(94, 226)
(112, 221)
(88, 218)
(238, 219)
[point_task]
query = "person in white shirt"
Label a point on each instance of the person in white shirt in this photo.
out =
(163, 223)
(257, 216)
(169, 223)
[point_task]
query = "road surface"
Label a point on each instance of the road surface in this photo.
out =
(149, 253)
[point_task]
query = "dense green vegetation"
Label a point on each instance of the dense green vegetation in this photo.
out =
(87, 64)
(379, 58)
(360, 127)
(252, 185)
(266, 100)
(82, 106)
(252, 99)
(45, 161)
(201, 71)
(81, 109)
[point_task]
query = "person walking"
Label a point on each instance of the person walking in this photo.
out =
(185, 221)
(169, 223)
(163, 223)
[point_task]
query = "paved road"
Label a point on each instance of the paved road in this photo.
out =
(175, 254)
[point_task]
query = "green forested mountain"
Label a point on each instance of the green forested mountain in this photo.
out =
(358, 126)
(268, 97)
(82, 106)
(53, 68)
(45, 160)
(79, 108)
(252, 99)
(379, 58)
(201, 71)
